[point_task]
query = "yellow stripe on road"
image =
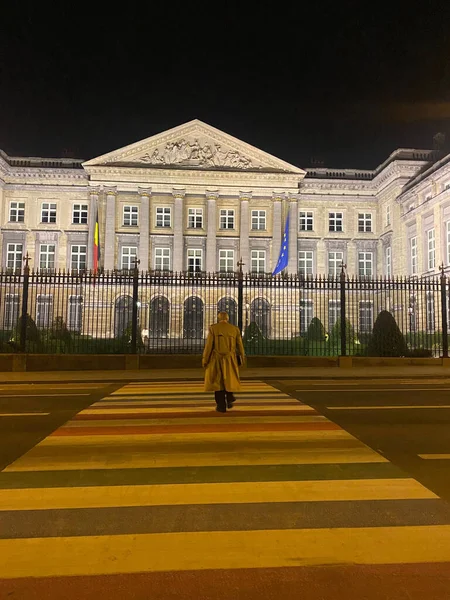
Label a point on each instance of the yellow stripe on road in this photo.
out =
(44, 557)
(212, 493)
(434, 456)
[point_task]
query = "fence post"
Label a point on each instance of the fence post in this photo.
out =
(444, 313)
(342, 316)
(134, 314)
(26, 283)
(240, 295)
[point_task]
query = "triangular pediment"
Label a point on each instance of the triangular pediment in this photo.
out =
(194, 145)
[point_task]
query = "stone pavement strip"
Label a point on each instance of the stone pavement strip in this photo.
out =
(149, 493)
(406, 372)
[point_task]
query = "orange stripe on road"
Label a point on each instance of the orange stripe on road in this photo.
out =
(213, 428)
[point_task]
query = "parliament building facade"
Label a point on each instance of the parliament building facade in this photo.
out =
(196, 199)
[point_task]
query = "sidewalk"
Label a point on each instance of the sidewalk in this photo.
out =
(307, 373)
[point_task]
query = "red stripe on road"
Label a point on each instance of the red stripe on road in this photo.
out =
(194, 415)
(338, 582)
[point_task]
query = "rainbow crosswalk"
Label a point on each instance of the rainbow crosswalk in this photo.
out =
(149, 493)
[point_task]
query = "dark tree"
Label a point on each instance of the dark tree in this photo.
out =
(316, 331)
(386, 339)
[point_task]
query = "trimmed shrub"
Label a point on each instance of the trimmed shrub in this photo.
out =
(387, 339)
(335, 335)
(316, 331)
(33, 338)
(253, 334)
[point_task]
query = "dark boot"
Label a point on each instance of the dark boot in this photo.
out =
(220, 401)
(230, 399)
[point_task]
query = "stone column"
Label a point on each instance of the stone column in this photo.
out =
(178, 250)
(293, 236)
(93, 208)
(244, 246)
(211, 229)
(110, 229)
(277, 227)
(144, 227)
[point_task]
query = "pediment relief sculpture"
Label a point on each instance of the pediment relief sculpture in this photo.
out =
(194, 154)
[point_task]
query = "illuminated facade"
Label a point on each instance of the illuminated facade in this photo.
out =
(195, 198)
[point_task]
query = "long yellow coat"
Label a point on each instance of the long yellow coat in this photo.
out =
(219, 358)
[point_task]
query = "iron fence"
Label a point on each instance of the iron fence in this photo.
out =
(164, 312)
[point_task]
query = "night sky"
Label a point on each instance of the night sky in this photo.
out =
(345, 85)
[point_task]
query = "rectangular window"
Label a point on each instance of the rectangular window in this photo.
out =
(431, 249)
(226, 218)
(128, 258)
(259, 220)
(306, 262)
(388, 258)
(14, 256)
(47, 256)
(430, 312)
(78, 258)
(48, 214)
(130, 216)
(80, 214)
(335, 220)
(163, 216)
(226, 260)
(306, 315)
(17, 212)
(12, 307)
(334, 313)
(44, 311)
(195, 218)
(388, 215)
(258, 259)
(306, 221)
(365, 317)
(75, 316)
(365, 264)
(364, 222)
(194, 257)
(335, 262)
(162, 259)
(413, 254)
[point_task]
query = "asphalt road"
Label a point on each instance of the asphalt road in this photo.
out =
(30, 412)
(407, 421)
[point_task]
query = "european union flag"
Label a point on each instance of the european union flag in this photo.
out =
(284, 252)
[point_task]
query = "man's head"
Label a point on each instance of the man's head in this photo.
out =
(223, 316)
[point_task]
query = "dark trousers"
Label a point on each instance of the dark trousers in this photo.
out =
(223, 397)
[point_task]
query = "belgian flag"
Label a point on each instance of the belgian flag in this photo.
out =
(96, 245)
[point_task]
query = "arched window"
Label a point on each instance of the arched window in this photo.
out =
(193, 318)
(159, 317)
(229, 306)
(123, 313)
(260, 314)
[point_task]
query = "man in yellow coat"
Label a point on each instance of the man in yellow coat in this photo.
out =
(220, 359)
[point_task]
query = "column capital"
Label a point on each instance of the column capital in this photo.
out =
(245, 195)
(179, 193)
(94, 190)
(294, 197)
(212, 194)
(146, 192)
(278, 196)
(110, 190)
